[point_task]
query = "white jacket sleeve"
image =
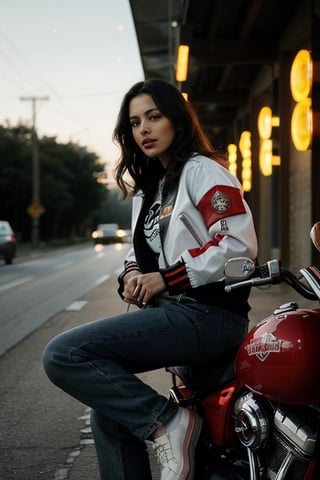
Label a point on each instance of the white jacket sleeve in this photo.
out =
(213, 207)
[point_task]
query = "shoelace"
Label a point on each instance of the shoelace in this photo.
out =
(163, 453)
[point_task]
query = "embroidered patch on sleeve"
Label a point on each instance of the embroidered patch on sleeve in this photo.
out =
(220, 202)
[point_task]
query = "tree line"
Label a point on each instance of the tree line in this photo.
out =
(74, 201)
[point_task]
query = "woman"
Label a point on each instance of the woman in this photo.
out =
(189, 217)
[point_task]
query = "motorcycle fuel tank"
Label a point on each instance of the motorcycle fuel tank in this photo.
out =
(280, 358)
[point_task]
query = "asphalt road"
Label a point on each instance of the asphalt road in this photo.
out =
(33, 291)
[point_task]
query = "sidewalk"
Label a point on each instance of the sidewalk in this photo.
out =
(103, 300)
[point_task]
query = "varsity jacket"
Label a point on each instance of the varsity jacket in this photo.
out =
(203, 223)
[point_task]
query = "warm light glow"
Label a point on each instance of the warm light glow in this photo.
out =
(301, 84)
(301, 125)
(265, 157)
(246, 185)
(232, 158)
(121, 233)
(182, 63)
(276, 160)
(301, 75)
(245, 144)
(245, 149)
(185, 96)
(265, 122)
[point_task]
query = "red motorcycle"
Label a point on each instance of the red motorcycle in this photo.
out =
(261, 406)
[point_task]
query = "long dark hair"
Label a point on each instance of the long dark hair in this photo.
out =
(190, 138)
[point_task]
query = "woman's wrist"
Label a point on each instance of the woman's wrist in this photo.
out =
(130, 267)
(176, 278)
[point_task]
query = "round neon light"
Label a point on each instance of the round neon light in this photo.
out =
(301, 125)
(301, 75)
(265, 123)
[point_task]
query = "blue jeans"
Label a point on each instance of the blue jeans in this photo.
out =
(96, 363)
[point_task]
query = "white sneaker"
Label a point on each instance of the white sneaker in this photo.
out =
(175, 449)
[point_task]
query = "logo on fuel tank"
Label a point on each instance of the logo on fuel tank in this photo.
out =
(263, 346)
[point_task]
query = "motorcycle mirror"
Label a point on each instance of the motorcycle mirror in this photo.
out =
(238, 268)
(315, 235)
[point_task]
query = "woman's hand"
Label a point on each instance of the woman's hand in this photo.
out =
(140, 288)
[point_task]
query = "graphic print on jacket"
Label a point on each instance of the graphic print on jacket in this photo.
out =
(151, 227)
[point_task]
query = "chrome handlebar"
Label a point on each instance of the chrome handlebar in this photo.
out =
(270, 273)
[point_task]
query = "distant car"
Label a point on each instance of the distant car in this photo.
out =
(126, 235)
(8, 242)
(107, 233)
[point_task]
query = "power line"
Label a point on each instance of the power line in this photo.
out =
(34, 72)
(26, 62)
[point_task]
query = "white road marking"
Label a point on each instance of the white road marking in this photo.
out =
(15, 283)
(76, 306)
(102, 279)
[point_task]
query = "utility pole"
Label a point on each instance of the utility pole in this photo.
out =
(35, 209)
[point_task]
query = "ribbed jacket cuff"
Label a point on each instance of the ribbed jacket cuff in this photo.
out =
(128, 267)
(176, 278)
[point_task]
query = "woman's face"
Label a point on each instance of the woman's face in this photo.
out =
(151, 130)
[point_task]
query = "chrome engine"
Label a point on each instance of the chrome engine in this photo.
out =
(280, 439)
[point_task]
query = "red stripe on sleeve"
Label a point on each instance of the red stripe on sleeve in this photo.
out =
(195, 252)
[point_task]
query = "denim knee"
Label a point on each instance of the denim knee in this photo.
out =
(54, 359)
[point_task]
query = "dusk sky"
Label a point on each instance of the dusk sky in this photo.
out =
(81, 54)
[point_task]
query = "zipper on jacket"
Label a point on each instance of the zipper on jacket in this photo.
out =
(188, 225)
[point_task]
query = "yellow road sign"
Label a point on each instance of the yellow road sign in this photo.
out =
(35, 210)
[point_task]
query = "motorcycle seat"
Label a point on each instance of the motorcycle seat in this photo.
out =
(206, 378)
